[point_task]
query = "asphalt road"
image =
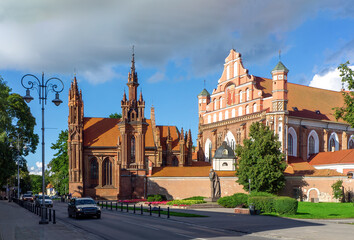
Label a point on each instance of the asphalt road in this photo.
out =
(123, 225)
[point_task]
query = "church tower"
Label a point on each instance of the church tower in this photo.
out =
(75, 140)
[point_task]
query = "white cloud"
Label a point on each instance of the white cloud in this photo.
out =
(37, 170)
(60, 36)
(39, 164)
(329, 80)
(157, 77)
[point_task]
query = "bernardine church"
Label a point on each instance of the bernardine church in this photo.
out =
(133, 157)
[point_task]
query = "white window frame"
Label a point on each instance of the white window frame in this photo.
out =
(336, 141)
(292, 132)
(314, 134)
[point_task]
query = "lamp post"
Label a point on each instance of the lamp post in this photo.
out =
(18, 162)
(43, 87)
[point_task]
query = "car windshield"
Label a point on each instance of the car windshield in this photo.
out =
(27, 195)
(45, 197)
(84, 201)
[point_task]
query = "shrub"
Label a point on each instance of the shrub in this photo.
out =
(261, 194)
(337, 190)
(184, 202)
(262, 203)
(156, 198)
(195, 198)
(285, 205)
(238, 199)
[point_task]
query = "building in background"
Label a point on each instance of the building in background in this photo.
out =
(111, 158)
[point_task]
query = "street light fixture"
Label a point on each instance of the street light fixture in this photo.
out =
(43, 87)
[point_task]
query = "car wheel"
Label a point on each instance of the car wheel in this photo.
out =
(98, 216)
(75, 215)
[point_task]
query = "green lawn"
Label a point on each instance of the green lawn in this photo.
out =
(323, 210)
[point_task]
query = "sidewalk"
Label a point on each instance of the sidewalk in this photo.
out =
(18, 223)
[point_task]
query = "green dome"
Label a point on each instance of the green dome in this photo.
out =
(280, 67)
(204, 93)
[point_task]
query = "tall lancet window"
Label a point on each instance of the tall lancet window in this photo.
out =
(107, 172)
(132, 150)
(311, 145)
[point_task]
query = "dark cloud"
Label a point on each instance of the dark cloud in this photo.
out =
(94, 36)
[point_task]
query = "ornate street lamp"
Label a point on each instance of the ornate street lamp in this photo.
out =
(43, 87)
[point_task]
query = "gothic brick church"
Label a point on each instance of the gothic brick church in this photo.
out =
(110, 158)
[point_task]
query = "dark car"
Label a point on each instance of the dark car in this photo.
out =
(78, 207)
(27, 197)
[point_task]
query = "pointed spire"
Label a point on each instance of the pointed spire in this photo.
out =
(141, 96)
(168, 133)
(182, 135)
(189, 135)
(124, 96)
(133, 62)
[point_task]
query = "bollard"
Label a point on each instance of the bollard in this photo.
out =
(116, 206)
(134, 208)
(121, 207)
(141, 209)
(150, 210)
(127, 207)
(46, 213)
(54, 222)
(40, 211)
(50, 215)
(168, 212)
(111, 206)
(159, 211)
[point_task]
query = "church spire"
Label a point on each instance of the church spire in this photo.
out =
(133, 81)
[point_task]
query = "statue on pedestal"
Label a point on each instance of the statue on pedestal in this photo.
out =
(214, 185)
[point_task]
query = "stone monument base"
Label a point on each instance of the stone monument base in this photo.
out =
(211, 199)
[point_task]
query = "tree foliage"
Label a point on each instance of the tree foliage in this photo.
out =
(260, 160)
(337, 190)
(59, 165)
(15, 120)
(347, 111)
(115, 115)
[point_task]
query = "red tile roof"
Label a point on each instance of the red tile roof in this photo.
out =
(336, 157)
(298, 167)
(306, 99)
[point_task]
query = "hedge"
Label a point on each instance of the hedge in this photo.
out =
(156, 198)
(236, 200)
(185, 202)
(285, 205)
(263, 203)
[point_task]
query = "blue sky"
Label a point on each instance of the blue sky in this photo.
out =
(178, 45)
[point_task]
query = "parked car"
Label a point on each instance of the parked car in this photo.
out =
(47, 201)
(27, 197)
(78, 207)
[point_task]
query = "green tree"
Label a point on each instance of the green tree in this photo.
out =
(115, 115)
(260, 160)
(36, 183)
(347, 111)
(59, 165)
(337, 190)
(15, 120)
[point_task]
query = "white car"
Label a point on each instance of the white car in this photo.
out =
(47, 201)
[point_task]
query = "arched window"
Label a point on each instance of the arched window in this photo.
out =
(132, 150)
(255, 107)
(207, 150)
(230, 140)
(224, 164)
(94, 172)
(292, 142)
(312, 143)
(107, 172)
(228, 72)
(220, 116)
(333, 142)
(220, 100)
(351, 142)
(235, 70)
(233, 113)
(247, 109)
(214, 117)
(209, 118)
(240, 111)
(215, 104)
(226, 114)
(240, 96)
(248, 93)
